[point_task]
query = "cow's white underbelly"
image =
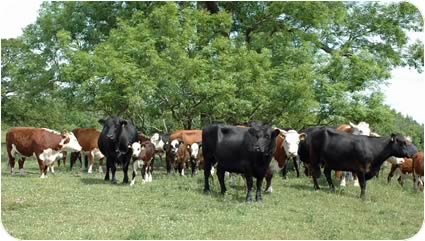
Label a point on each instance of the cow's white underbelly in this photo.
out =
(274, 166)
(49, 156)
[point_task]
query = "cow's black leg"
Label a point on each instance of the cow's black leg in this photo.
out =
(296, 166)
(143, 172)
(193, 164)
(315, 183)
(113, 170)
(249, 184)
(269, 176)
(362, 182)
(391, 174)
(258, 192)
(108, 166)
(125, 170)
(207, 173)
(285, 170)
(327, 171)
(220, 175)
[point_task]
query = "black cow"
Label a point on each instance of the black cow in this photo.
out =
(115, 144)
(303, 148)
(362, 155)
(241, 150)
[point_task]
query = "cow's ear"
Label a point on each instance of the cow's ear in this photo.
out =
(101, 121)
(393, 137)
(303, 136)
(188, 146)
(252, 131)
(275, 133)
(123, 122)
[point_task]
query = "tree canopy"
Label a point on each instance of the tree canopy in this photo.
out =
(168, 65)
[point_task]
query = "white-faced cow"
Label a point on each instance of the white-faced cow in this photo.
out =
(115, 142)
(363, 155)
(247, 151)
(143, 158)
(286, 147)
(45, 144)
(159, 141)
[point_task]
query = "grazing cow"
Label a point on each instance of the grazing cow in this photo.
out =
(418, 171)
(182, 157)
(240, 150)
(46, 145)
(115, 142)
(286, 147)
(159, 140)
(400, 167)
(143, 158)
(88, 139)
(363, 155)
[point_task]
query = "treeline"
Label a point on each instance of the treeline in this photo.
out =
(169, 65)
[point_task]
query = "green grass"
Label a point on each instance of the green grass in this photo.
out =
(75, 205)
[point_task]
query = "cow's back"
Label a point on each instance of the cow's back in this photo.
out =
(87, 137)
(187, 136)
(29, 140)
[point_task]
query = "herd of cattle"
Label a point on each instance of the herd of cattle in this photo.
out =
(253, 150)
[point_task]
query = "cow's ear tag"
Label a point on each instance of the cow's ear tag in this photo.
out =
(393, 138)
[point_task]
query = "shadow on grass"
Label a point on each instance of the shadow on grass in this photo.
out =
(94, 181)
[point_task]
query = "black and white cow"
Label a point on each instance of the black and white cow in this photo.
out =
(159, 141)
(240, 150)
(115, 144)
(362, 155)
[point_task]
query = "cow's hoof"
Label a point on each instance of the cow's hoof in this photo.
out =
(206, 190)
(114, 181)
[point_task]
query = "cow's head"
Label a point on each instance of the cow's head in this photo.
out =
(194, 149)
(69, 142)
(175, 145)
(401, 146)
(361, 129)
(262, 139)
(291, 141)
(137, 148)
(112, 126)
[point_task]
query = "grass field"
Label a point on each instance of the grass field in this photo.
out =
(76, 205)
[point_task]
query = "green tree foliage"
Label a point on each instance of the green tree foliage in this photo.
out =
(169, 65)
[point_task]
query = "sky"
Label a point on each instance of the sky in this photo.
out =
(404, 92)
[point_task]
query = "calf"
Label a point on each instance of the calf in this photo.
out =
(418, 171)
(195, 153)
(159, 140)
(241, 150)
(286, 148)
(115, 144)
(182, 157)
(88, 139)
(401, 168)
(363, 155)
(46, 145)
(143, 158)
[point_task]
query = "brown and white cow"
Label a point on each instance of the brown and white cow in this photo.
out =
(187, 136)
(418, 171)
(88, 138)
(286, 147)
(401, 169)
(143, 158)
(182, 158)
(45, 144)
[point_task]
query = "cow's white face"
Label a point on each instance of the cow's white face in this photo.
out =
(72, 145)
(361, 129)
(291, 142)
(136, 147)
(175, 146)
(194, 150)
